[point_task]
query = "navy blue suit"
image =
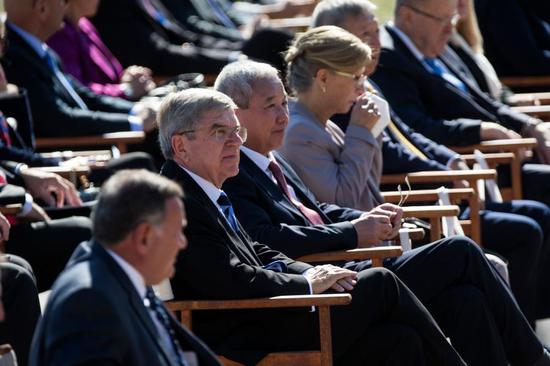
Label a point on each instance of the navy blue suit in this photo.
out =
(516, 35)
(264, 211)
(96, 316)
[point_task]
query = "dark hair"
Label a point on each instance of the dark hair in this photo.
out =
(129, 198)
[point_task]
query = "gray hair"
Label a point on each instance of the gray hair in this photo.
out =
(183, 111)
(416, 3)
(129, 198)
(237, 80)
(336, 12)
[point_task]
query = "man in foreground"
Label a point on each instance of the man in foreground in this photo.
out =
(102, 309)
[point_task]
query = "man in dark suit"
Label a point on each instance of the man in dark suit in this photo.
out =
(144, 32)
(60, 105)
(274, 215)
(516, 35)
(200, 136)
(437, 101)
(106, 289)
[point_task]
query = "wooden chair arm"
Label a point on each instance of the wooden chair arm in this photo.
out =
(118, 139)
(526, 81)
(298, 24)
(492, 159)
(428, 195)
(12, 209)
(69, 154)
(289, 301)
(430, 212)
(520, 98)
(439, 176)
(353, 254)
(510, 145)
(540, 111)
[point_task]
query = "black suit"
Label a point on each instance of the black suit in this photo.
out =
(220, 263)
(516, 35)
(259, 205)
(431, 105)
(94, 296)
(54, 111)
(137, 39)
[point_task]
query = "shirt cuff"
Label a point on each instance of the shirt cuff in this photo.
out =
(308, 280)
(136, 124)
(452, 160)
(27, 206)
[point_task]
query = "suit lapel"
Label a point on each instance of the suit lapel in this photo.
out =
(20, 46)
(240, 242)
(134, 299)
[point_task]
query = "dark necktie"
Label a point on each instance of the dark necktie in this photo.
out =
(312, 216)
(227, 209)
(164, 319)
(52, 64)
(440, 70)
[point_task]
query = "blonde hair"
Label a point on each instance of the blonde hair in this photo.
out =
(468, 28)
(323, 47)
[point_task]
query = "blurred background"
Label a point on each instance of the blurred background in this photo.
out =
(385, 9)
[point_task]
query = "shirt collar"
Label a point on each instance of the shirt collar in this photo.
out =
(407, 41)
(37, 45)
(135, 277)
(260, 160)
(210, 189)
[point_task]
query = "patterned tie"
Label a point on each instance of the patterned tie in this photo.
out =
(52, 64)
(440, 70)
(313, 217)
(228, 212)
(164, 319)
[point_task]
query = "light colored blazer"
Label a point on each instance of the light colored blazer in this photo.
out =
(339, 168)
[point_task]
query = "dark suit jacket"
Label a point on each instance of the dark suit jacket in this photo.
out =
(137, 39)
(221, 264)
(270, 218)
(55, 113)
(95, 316)
(516, 35)
(431, 105)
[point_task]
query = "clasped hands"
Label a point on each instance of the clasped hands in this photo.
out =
(381, 223)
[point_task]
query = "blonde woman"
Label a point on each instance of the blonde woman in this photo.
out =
(326, 68)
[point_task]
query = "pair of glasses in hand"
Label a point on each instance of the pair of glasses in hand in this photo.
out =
(403, 197)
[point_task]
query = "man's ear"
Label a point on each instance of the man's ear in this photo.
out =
(141, 236)
(180, 147)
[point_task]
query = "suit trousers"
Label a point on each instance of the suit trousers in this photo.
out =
(535, 181)
(21, 306)
(469, 301)
(47, 246)
(385, 324)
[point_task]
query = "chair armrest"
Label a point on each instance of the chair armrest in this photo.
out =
(69, 154)
(439, 176)
(353, 254)
(429, 212)
(492, 159)
(510, 145)
(526, 81)
(297, 23)
(427, 195)
(520, 98)
(12, 209)
(540, 111)
(290, 301)
(119, 139)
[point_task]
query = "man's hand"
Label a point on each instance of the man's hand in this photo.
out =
(542, 133)
(43, 185)
(394, 213)
(381, 223)
(328, 276)
(494, 131)
(4, 228)
(36, 214)
(148, 114)
(137, 81)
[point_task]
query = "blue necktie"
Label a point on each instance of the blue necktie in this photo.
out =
(227, 210)
(220, 14)
(164, 319)
(439, 69)
(64, 81)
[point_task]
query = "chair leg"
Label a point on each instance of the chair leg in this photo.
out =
(325, 336)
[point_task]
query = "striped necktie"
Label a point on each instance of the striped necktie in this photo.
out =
(439, 69)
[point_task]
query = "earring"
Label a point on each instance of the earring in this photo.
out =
(324, 88)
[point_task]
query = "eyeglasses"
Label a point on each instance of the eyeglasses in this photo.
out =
(359, 79)
(453, 19)
(403, 198)
(222, 133)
